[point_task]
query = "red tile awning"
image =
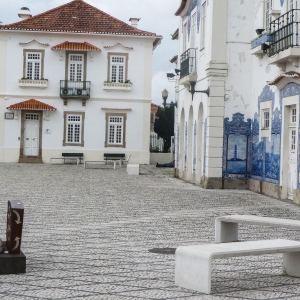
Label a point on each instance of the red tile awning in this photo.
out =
(31, 104)
(75, 46)
(290, 74)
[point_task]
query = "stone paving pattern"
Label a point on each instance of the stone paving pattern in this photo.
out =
(87, 233)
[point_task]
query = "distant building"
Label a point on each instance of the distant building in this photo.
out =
(245, 58)
(75, 79)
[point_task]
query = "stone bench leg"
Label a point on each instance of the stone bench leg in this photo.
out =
(226, 232)
(192, 271)
(291, 263)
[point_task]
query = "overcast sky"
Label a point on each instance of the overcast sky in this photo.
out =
(156, 16)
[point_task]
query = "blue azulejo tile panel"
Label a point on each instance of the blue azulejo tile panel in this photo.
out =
(236, 147)
(237, 154)
(257, 156)
(272, 161)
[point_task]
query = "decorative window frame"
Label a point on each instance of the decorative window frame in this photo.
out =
(107, 116)
(25, 52)
(109, 56)
(194, 24)
(268, 6)
(74, 113)
(184, 36)
(84, 53)
(265, 107)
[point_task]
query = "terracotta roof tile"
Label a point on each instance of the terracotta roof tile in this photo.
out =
(31, 104)
(77, 16)
(154, 108)
(75, 46)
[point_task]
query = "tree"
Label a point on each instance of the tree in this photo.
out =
(164, 125)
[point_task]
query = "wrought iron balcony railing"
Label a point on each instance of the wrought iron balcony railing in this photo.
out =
(75, 89)
(284, 31)
(187, 62)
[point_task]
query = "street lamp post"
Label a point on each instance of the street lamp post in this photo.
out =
(165, 95)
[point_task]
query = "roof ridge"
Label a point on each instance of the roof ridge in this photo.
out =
(40, 14)
(130, 29)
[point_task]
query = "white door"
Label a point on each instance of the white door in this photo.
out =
(292, 173)
(31, 134)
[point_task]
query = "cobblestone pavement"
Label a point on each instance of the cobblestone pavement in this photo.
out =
(87, 233)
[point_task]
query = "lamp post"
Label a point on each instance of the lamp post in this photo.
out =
(193, 81)
(165, 95)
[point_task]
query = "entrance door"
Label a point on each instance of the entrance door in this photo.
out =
(292, 173)
(31, 134)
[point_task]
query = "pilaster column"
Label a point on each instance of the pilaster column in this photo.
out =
(216, 73)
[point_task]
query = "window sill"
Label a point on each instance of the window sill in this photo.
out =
(33, 83)
(117, 86)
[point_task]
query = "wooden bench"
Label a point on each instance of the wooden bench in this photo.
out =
(226, 227)
(193, 263)
(71, 156)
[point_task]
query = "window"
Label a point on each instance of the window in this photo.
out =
(203, 26)
(76, 67)
(293, 140)
(268, 18)
(115, 130)
(184, 37)
(33, 64)
(294, 115)
(73, 131)
(193, 33)
(118, 65)
(266, 119)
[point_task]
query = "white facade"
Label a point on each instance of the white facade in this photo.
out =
(81, 119)
(245, 133)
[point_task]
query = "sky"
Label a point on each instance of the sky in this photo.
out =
(156, 16)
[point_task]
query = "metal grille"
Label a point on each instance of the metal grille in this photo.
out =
(187, 62)
(285, 32)
(32, 116)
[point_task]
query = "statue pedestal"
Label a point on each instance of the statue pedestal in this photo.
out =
(12, 263)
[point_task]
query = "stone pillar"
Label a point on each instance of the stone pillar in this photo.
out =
(216, 73)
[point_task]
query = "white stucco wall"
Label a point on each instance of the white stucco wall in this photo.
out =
(135, 103)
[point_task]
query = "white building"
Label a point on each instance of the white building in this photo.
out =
(242, 129)
(74, 79)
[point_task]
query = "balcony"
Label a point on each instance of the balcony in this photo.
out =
(117, 86)
(40, 83)
(75, 89)
(187, 65)
(285, 46)
(258, 41)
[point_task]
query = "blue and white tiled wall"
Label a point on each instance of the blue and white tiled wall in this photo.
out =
(245, 155)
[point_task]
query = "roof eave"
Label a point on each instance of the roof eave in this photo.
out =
(181, 11)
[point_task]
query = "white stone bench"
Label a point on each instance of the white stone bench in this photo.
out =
(100, 161)
(193, 263)
(226, 227)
